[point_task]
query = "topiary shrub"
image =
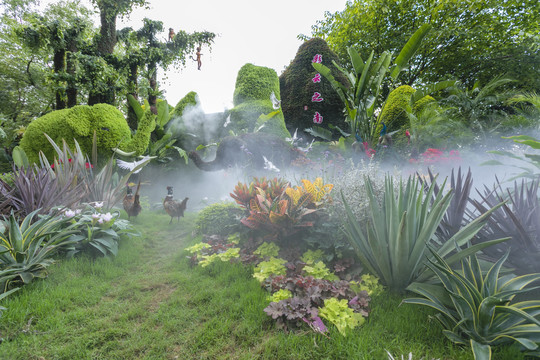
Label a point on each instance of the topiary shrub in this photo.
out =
(221, 218)
(297, 88)
(79, 123)
(251, 99)
(394, 113)
(191, 98)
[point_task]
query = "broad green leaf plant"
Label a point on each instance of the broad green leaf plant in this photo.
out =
(393, 245)
(27, 249)
(475, 308)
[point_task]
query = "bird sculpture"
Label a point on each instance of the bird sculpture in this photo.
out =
(275, 102)
(131, 202)
(174, 208)
(132, 165)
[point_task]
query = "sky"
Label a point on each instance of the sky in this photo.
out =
(248, 31)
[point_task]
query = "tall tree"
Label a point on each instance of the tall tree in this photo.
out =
(165, 54)
(109, 10)
(471, 40)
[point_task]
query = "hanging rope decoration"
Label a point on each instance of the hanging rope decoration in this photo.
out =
(317, 117)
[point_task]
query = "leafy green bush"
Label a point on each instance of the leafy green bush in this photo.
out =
(394, 242)
(220, 218)
(476, 309)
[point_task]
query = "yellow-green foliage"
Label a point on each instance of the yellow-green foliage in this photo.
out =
(420, 105)
(310, 256)
(274, 266)
(251, 99)
(196, 249)
(340, 314)
(319, 271)
(394, 113)
(189, 99)
(80, 122)
(228, 255)
(267, 249)
(369, 283)
(281, 294)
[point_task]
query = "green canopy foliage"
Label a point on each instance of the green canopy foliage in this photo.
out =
(471, 40)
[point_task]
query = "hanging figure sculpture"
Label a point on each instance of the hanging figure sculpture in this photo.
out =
(171, 34)
(198, 59)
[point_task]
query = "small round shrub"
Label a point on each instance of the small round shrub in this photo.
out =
(221, 218)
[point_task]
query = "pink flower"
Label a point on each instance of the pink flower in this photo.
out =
(317, 78)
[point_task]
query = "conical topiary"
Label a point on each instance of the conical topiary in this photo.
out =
(299, 84)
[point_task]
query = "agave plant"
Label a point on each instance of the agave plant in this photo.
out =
(26, 250)
(476, 308)
(518, 218)
(394, 245)
(456, 215)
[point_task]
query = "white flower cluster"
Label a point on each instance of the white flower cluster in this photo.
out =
(96, 216)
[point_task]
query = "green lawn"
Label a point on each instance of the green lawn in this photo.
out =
(148, 303)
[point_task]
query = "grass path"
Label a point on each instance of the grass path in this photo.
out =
(148, 303)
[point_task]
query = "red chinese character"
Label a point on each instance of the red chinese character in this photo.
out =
(316, 97)
(317, 59)
(317, 118)
(317, 78)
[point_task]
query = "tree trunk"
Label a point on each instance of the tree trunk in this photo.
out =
(105, 47)
(132, 120)
(71, 88)
(152, 97)
(59, 65)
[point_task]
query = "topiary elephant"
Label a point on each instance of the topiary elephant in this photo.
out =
(79, 123)
(249, 151)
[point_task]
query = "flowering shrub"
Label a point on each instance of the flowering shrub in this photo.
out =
(97, 233)
(436, 156)
(87, 165)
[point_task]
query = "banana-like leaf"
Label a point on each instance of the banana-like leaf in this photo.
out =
(137, 108)
(320, 132)
(356, 60)
(360, 88)
(431, 89)
(409, 50)
(336, 85)
(162, 114)
(19, 157)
